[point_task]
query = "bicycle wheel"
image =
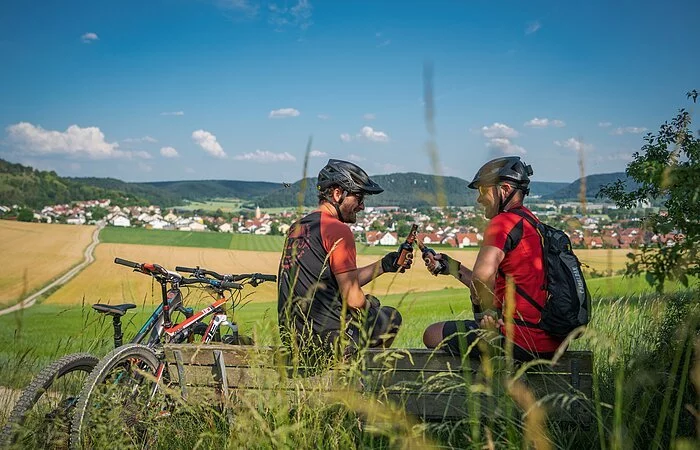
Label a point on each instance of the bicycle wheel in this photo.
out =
(116, 406)
(41, 416)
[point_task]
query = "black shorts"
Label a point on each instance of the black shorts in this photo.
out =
(381, 325)
(460, 337)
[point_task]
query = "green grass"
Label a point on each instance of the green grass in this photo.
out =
(227, 205)
(641, 346)
(172, 238)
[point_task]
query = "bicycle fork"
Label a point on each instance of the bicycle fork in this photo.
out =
(216, 322)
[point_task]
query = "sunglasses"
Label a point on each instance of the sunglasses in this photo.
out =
(483, 190)
(360, 196)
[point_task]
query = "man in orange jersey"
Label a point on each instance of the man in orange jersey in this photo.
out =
(320, 295)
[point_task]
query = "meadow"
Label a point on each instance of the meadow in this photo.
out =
(639, 345)
(174, 238)
(227, 205)
(34, 254)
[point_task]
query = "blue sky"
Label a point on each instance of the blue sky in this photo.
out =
(232, 89)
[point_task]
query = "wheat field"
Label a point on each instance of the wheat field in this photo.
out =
(104, 281)
(33, 254)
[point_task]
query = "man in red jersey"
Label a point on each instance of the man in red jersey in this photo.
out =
(320, 295)
(511, 250)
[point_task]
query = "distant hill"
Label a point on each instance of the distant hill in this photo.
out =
(593, 185)
(27, 186)
(400, 189)
(171, 193)
(23, 185)
(408, 190)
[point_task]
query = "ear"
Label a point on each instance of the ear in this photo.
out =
(337, 194)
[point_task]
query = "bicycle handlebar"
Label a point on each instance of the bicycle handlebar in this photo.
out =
(197, 270)
(255, 277)
(148, 268)
(214, 283)
(127, 263)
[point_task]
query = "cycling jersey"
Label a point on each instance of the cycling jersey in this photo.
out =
(317, 247)
(523, 262)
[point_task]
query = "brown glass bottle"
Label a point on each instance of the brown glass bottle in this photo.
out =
(407, 246)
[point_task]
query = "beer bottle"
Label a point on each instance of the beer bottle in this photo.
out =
(407, 246)
(427, 252)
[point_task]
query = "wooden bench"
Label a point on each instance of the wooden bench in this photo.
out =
(430, 385)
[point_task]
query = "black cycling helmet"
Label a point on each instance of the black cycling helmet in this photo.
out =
(507, 168)
(347, 176)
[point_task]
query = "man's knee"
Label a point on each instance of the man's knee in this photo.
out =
(432, 336)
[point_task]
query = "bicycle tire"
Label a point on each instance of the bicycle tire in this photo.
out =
(99, 375)
(40, 385)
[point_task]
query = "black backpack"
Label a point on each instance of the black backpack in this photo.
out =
(568, 303)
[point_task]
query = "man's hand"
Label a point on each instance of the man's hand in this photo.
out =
(441, 264)
(389, 262)
(490, 323)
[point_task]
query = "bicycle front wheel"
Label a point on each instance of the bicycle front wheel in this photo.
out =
(116, 405)
(41, 417)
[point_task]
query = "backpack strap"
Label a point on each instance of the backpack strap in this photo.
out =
(518, 289)
(523, 294)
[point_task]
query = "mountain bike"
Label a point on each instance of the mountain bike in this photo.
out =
(41, 416)
(124, 390)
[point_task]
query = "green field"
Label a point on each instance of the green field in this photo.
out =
(202, 239)
(227, 205)
(44, 332)
(640, 346)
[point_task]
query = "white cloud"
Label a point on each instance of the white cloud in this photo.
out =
(384, 43)
(503, 146)
(604, 124)
(574, 144)
(141, 154)
(75, 141)
(298, 16)
(499, 130)
(356, 158)
(366, 133)
(544, 123)
(144, 167)
(140, 140)
(283, 113)
(629, 130)
(89, 37)
(373, 135)
(173, 113)
(369, 116)
(323, 116)
(169, 152)
(317, 154)
(265, 156)
(208, 142)
(532, 27)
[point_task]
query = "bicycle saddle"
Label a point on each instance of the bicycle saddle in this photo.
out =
(113, 310)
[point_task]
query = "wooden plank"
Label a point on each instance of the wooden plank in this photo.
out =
(234, 355)
(439, 361)
(395, 359)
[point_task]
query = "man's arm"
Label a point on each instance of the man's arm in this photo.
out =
(350, 290)
(484, 275)
(369, 272)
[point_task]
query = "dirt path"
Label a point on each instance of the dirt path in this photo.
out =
(89, 258)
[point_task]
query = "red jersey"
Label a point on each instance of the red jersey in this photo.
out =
(524, 263)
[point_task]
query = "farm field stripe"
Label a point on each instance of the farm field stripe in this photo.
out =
(89, 258)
